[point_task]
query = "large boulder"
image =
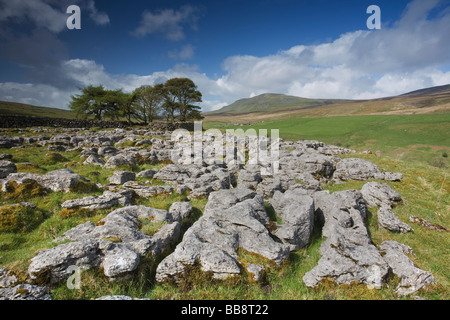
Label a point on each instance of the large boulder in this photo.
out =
(64, 180)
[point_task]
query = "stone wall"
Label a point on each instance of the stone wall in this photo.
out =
(7, 121)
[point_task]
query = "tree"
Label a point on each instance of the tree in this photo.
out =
(89, 102)
(148, 101)
(113, 102)
(181, 94)
(127, 106)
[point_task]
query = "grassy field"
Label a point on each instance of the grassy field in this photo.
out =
(408, 144)
(422, 138)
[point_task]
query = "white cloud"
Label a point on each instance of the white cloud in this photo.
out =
(185, 53)
(411, 54)
(168, 22)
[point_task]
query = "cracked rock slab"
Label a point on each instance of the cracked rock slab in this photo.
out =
(412, 278)
(348, 254)
(213, 240)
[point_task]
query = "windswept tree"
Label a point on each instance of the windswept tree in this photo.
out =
(148, 102)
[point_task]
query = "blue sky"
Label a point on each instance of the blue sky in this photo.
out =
(231, 49)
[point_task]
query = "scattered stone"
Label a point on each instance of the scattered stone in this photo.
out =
(147, 173)
(120, 177)
(107, 200)
(427, 224)
(7, 167)
(115, 244)
(380, 194)
(412, 278)
(7, 278)
(120, 160)
(94, 160)
(180, 210)
(388, 220)
(25, 292)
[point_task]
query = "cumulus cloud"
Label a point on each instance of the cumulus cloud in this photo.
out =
(168, 22)
(410, 54)
(361, 64)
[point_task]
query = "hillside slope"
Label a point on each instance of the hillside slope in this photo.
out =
(21, 109)
(425, 101)
(270, 102)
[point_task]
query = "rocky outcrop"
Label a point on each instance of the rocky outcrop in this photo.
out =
(116, 244)
(233, 219)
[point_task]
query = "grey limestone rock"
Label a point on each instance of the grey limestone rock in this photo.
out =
(297, 213)
(388, 220)
(63, 180)
(356, 169)
(107, 200)
(25, 292)
(348, 254)
(115, 243)
(231, 220)
(120, 177)
(120, 160)
(380, 194)
(411, 278)
(7, 167)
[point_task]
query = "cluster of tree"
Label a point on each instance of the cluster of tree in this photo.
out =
(171, 100)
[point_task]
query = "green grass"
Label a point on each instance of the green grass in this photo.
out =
(425, 190)
(404, 137)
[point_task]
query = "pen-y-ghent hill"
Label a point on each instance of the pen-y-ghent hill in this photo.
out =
(359, 208)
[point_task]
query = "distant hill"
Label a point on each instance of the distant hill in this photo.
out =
(270, 102)
(21, 109)
(277, 106)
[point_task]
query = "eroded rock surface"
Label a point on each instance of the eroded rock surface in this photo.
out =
(232, 219)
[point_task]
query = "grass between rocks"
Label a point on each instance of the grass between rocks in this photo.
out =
(425, 189)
